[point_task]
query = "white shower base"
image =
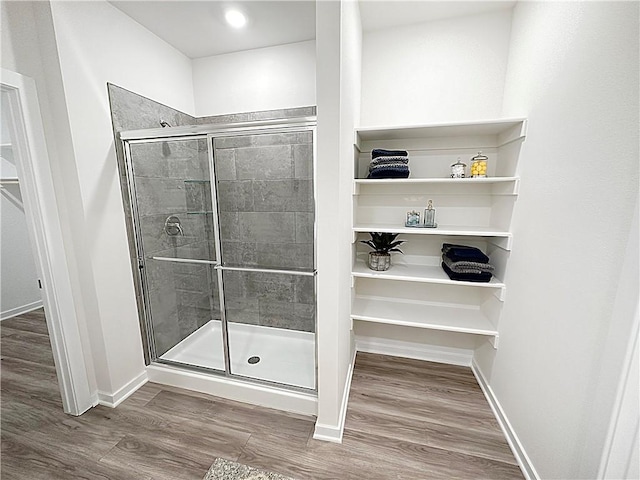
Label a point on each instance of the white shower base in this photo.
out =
(286, 356)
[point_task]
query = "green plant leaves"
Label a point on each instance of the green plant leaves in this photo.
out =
(383, 242)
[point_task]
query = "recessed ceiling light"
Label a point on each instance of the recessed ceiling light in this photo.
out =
(235, 18)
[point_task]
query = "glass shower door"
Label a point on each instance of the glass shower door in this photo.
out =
(266, 216)
(174, 216)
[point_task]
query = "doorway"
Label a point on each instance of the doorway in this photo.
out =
(24, 124)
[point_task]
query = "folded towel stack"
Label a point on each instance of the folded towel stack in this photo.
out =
(389, 164)
(465, 263)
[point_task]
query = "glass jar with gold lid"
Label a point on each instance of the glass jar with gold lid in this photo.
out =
(479, 166)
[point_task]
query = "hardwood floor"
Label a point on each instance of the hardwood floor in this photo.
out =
(406, 420)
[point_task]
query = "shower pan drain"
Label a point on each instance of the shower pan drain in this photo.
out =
(253, 360)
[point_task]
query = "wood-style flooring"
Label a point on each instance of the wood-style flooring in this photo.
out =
(406, 419)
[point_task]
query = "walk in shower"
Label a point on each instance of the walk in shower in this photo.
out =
(223, 220)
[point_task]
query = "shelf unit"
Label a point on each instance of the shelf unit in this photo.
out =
(415, 291)
(435, 317)
(414, 272)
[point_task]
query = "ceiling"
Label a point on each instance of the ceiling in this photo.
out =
(379, 14)
(198, 29)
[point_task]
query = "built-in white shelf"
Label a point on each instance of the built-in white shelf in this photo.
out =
(426, 181)
(489, 186)
(415, 291)
(439, 230)
(422, 315)
(448, 230)
(504, 131)
(418, 273)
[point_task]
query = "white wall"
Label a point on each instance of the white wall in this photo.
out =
(338, 55)
(446, 70)
(330, 385)
(269, 78)
(98, 44)
(573, 71)
(350, 98)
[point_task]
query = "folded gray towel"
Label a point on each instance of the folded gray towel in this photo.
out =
(467, 267)
(383, 160)
(388, 165)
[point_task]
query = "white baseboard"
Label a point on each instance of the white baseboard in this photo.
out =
(233, 389)
(517, 448)
(14, 312)
(418, 351)
(328, 433)
(115, 399)
(333, 433)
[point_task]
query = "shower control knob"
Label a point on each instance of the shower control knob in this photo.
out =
(172, 226)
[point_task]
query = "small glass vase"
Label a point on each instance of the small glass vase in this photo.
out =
(379, 261)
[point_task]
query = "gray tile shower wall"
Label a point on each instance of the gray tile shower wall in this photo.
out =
(177, 187)
(266, 214)
(130, 111)
(270, 299)
(180, 301)
(182, 297)
(163, 304)
(266, 199)
(261, 115)
(266, 210)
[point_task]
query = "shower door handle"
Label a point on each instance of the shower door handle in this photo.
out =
(306, 273)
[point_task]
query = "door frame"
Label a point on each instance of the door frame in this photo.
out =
(45, 232)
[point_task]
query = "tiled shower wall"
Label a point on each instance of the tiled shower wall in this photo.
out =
(130, 111)
(265, 191)
(172, 181)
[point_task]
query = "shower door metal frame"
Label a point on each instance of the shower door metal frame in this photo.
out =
(211, 132)
(141, 275)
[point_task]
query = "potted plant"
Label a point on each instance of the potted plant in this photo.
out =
(383, 244)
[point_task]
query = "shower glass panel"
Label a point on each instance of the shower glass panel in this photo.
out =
(173, 205)
(265, 190)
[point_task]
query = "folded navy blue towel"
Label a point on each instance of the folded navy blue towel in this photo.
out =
(381, 152)
(384, 171)
(467, 277)
(463, 253)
